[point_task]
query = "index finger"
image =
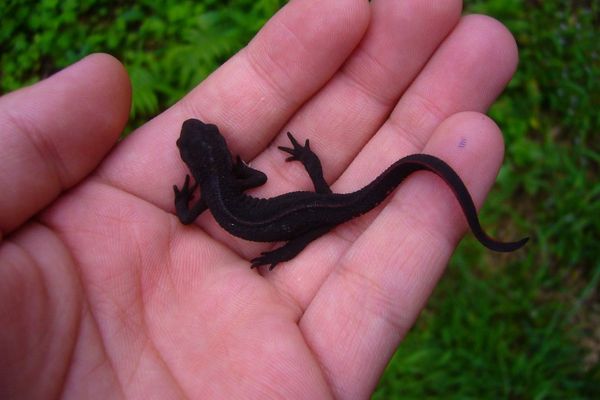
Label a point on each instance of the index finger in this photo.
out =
(250, 97)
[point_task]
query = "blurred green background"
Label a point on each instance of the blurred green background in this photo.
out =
(524, 325)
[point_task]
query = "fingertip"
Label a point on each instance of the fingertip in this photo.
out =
(472, 143)
(110, 103)
(469, 132)
(497, 42)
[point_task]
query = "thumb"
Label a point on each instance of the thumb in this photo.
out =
(54, 133)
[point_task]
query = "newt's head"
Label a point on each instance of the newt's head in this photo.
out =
(203, 148)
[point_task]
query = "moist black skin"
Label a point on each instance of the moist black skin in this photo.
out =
(296, 217)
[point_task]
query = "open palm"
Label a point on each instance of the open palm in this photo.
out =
(104, 294)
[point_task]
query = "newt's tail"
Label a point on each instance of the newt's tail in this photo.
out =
(397, 172)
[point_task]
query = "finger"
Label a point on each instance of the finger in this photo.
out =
(249, 98)
(401, 37)
(464, 74)
(55, 132)
(368, 304)
(467, 73)
(488, 61)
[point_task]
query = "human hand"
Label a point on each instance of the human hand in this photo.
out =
(103, 293)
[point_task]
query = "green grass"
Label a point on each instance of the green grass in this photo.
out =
(168, 47)
(520, 326)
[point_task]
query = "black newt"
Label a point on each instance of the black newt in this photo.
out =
(296, 217)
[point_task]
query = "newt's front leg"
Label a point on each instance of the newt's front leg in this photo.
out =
(310, 160)
(182, 203)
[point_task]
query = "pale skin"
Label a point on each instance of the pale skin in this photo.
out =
(104, 294)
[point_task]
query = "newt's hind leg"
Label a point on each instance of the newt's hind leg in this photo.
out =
(310, 160)
(289, 250)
